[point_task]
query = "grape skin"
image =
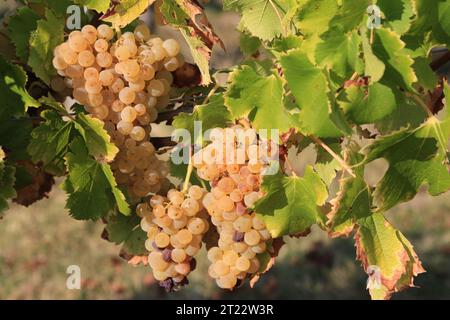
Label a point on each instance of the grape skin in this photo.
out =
(168, 226)
(110, 75)
(242, 234)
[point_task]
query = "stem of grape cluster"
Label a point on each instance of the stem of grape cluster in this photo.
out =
(188, 172)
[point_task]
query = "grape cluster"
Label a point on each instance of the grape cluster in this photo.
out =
(122, 80)
(175, 227)
(235, 189)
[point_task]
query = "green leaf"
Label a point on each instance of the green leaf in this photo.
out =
(126, 230)
(59, 7)
(97, 5)
(374, 67)
(397, 14)
(127, 11)
(353, 201)
(121, 201)
(258, 97)
(49, 34)
(7, 181)
(415, 158)
(315, 16)
(248, 44)
(428, 24)
(389, 48)
(15, 98)
(315, 109)
(367, 107)
(262, 18)
(378, 244)
(20, 27)
(212, 115)
(326, 166)
(444, 14)
(425, 75)
(92, 190)
(97, 139)
(15, 134)
(407, 114)
(290, 205)
(340, 52)
(50, 141)
(352, 13)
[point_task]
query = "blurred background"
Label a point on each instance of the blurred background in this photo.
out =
(38, 243)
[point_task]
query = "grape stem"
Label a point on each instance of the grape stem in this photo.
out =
(211, 93)
(341, 161)
(188, 172)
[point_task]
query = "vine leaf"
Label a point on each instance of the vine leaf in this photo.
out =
(426, 76)
(125, 12)
(379, 245)
(374, 67)
(97, 139)
(91, 193)
(7, 181)
(340, 52)
(262, 18)
(15, 135)
(290, 205)
(367, 107)
(406, 114)
(415, 158)
(59, 7)
(16, 99)
(353, 201)
(389, 48)
(397, 14)
(48, 34)
(212, 115)
(351, 14)
(20, 27)
(315, 115)
(189, 17)
(315, 16)
(97, 5)
(50, 141)
(126, 230)
(258, 97)
(444, 13)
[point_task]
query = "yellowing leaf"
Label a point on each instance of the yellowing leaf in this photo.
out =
(385, 252)
(127, 11)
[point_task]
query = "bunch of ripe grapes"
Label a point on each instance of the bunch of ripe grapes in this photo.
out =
(175, 227)
(235, 181)
(122, 80)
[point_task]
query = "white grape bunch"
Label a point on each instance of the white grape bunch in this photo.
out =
(122, 80)
(175, 226)
(235, 188)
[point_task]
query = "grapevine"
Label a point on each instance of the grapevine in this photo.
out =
(85, 99)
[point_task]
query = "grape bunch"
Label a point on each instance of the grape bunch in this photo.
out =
(235, 188)
(175, 227)
(122, 80)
